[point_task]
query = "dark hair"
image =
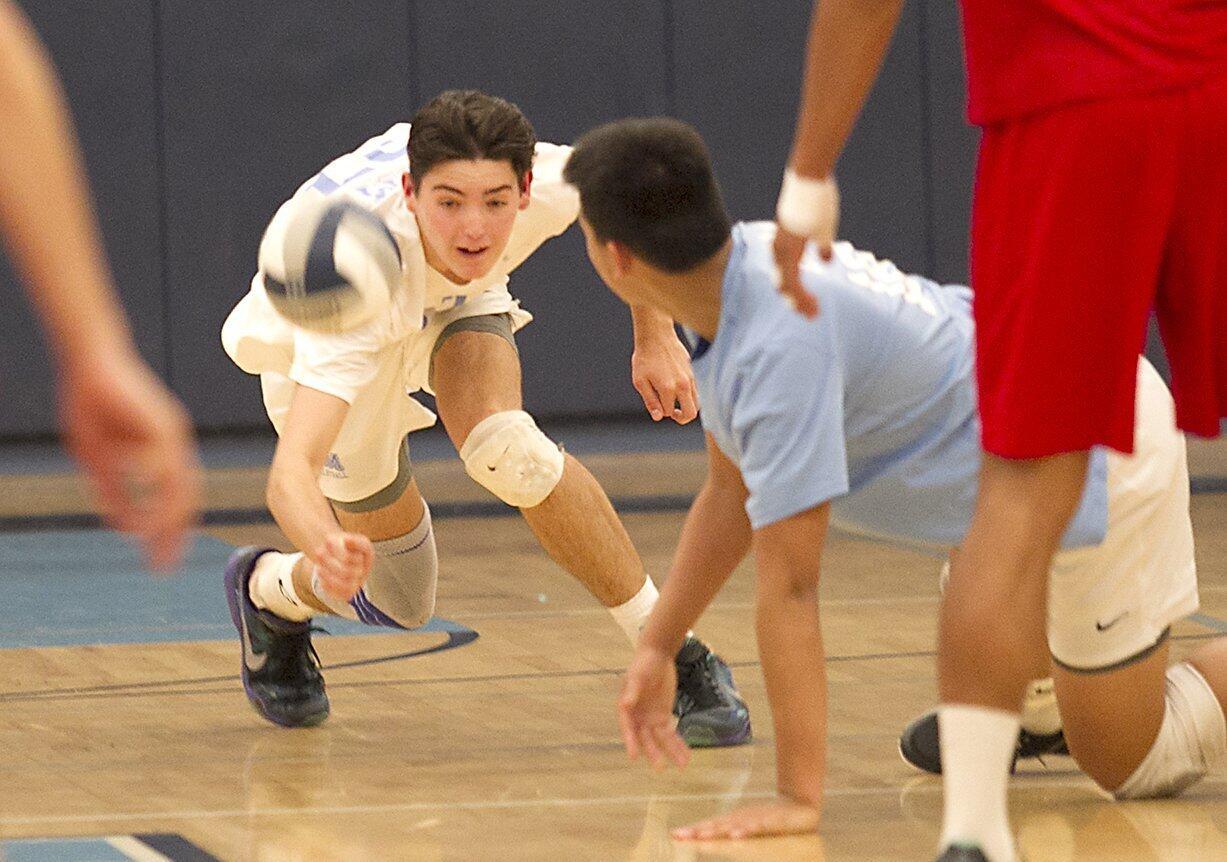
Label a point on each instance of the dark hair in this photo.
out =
(469, 124)
(648, 184)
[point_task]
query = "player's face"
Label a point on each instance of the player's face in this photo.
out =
(465, 210)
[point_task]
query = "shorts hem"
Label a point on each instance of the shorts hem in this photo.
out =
(1149, 639)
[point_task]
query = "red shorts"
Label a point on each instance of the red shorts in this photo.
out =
(1086, 219)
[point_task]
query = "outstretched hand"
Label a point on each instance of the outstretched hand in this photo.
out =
(645, 710)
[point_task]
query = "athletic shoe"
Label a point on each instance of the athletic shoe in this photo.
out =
(281, 670)
(962, 853)
(710, 713)
(919, 746)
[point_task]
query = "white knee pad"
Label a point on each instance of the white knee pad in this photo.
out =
(1192, 740)
(509, 456)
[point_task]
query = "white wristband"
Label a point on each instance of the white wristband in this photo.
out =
(808, 207)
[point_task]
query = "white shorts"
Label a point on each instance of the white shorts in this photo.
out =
(365, 456)
(1109, 603)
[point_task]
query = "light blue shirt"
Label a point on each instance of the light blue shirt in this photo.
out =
(872, 406)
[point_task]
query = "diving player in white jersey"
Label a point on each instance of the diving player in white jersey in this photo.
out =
(468, 195)
(866, 417)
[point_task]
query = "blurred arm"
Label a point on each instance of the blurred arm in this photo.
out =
(45, 205)
(120, 423)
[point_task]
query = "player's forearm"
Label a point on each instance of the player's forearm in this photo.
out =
(790, 648)
(44, 205)
(847, 42)
(298, 506)
(650, 325)
(715, 538)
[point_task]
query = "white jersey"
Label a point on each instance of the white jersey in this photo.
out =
(260, 341)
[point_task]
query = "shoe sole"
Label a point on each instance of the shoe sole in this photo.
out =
(705, 737)
(236, 582)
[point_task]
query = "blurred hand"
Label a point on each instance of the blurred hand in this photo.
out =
(343, 563)
(660, 371)
(645, 710)
(134, 441)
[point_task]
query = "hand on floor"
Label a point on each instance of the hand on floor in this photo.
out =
(778, 817)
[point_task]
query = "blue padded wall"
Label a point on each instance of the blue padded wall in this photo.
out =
(199, 119)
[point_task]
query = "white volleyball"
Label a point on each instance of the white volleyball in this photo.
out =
(329, 265)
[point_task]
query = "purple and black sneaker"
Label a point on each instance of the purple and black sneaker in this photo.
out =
(710, 713)
(281, 670)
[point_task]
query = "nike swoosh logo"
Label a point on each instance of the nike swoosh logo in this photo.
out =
(1103, 627)
(251, 659)
(289, 598)
(493, 467)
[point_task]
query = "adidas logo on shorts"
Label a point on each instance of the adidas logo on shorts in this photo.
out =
(333, 467)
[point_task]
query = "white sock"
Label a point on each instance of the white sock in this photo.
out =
(271, 587)
(977, 746)
(633, 615)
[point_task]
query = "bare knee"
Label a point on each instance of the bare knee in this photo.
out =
(1111, 715)
(1038, 496)
(1211, 662)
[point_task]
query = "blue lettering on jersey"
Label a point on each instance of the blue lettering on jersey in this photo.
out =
(387, 148)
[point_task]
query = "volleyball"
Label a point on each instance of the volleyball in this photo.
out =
(329, 266)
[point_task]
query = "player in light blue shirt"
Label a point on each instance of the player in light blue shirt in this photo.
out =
(881, 384)
(866, 418)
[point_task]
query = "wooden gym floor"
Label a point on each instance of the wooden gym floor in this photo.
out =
(138, 743)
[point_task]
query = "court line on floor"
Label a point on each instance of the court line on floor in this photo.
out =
(553, 613)
(164, 688)
(457, 637)
(722, 606)
(482, 805)
(1070, 780)
(221, 517)
(230, 517)
(1203, 619)
(1209, 622)
(152, 687)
